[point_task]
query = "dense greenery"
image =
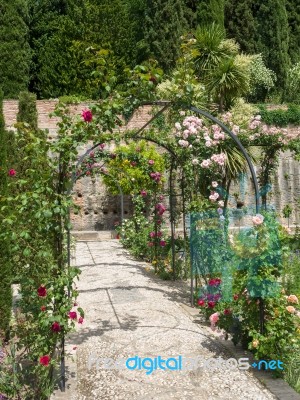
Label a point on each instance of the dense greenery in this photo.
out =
(5, 265)
(15, 54)
(62, 41)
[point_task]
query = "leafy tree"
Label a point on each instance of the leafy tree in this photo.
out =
(240, 23)
(163, 27)
(293, 11)
(210, 11)
(273, 37)
(45, 20)
(14, 47)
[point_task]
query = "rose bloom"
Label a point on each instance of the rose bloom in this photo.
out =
(214, 318)
(227, 311)
(55, 327)
(150, 162)
(291, 309)
(44, 360)
(152, 234)
(162, 243)
(42, 291)
(255, 343)
(43, 308)
(258, 219)
(87, 115)
(293, 299)
(211, 304)
(143, 193)
(214, 184)
(12, 172)
(201, 303)
(80, 320)
(235, 297)
(72, 314)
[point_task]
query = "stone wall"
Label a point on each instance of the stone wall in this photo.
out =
(99, 210)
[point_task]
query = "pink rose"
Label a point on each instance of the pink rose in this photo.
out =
(214, 318)
(258, 219)
(162, 243)
(80, 320)
(152, 234)
(143, 193)
(150, 162)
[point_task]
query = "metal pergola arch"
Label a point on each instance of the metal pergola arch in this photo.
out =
(165, 106)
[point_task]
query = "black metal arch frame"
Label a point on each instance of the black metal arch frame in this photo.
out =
(165, 106)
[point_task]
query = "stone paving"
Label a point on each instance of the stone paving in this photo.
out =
(130, 312)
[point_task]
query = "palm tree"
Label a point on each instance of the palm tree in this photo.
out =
(225, 73)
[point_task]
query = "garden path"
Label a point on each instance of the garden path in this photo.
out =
(131, 312)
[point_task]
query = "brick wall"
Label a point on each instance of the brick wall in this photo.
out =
(99, 210)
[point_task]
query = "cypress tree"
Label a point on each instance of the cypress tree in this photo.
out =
(293, 11)
(210, 11)
(15, 52)
(240, 24)
(27, 109)
(164, 24)
(5, 267)
(273, 36)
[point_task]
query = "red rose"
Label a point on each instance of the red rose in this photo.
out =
(201, 303)
(12, 172)
(227, 311)
(133, 163)
(80, 320)
(87, 115)
(235, 297)
(43, 308)
(73, 314)
(42, 292)
(211, 304)
(44, 360)
(56, 327)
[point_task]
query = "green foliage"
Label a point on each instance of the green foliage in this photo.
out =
(163, 26)
(281, 117)
(27, 109)
(5, 265)
(131, 168)
(293, 84)
(240, 23)
(211, 11)
(14, 48)
(273, 37)
(293, 12)
(262, 79)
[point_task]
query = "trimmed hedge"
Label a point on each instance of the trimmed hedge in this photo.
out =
(281, 118)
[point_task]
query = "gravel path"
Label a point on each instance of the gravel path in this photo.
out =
(129, 312)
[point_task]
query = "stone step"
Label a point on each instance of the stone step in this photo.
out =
(94, 235)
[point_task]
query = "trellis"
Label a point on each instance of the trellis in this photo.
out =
(140, 134)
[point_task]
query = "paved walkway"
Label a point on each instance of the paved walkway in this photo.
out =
(130, 312)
